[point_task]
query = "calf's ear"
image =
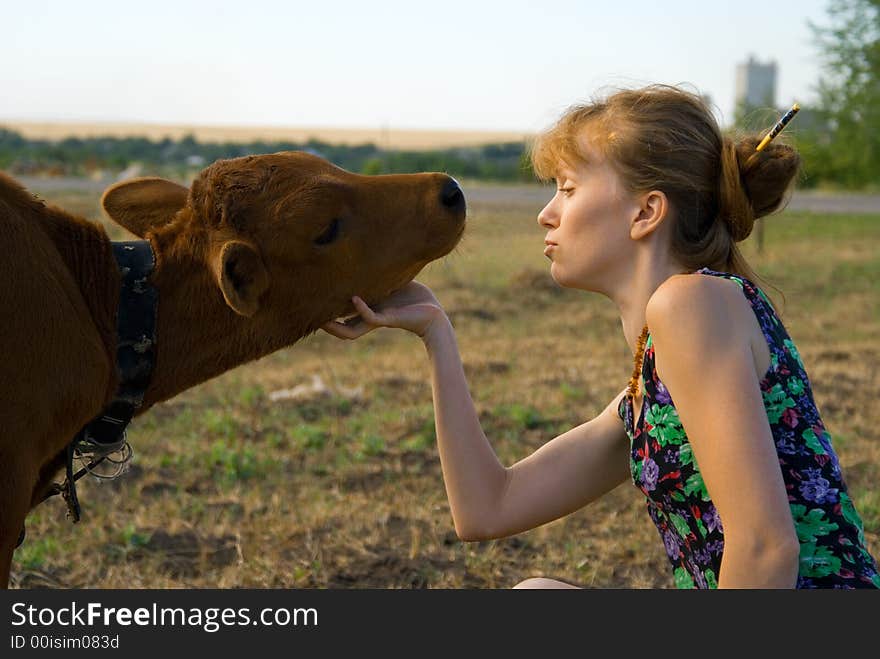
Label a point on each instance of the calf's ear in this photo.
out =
(143, 204)
(241, 275)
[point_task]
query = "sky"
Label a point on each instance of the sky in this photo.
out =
(495, 65)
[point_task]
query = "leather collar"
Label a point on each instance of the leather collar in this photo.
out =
(135, 347)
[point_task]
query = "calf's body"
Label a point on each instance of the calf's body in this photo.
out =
(258, 253)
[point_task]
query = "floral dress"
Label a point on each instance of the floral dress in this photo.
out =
(833, 553)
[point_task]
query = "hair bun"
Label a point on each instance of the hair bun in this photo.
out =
(754, 183)
(766, 174)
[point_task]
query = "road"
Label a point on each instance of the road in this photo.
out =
(521, 195)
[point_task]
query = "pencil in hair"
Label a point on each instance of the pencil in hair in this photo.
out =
(779, 126)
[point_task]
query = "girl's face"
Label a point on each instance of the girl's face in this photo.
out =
(588, 225)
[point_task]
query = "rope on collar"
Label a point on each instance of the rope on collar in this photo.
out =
(104, 437)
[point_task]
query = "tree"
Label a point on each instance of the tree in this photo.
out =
(849, 93)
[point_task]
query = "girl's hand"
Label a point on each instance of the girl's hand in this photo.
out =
(413, 308)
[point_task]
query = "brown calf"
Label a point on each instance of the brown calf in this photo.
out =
(259, 252)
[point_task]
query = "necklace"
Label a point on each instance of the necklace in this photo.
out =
(633, 388)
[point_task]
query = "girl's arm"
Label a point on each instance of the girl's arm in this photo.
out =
(700, 329)
(488, 500)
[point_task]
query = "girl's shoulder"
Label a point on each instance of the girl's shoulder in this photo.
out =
(693, 315)
(706, 311)
(705, 293)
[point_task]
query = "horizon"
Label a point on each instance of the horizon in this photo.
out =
(394, 139)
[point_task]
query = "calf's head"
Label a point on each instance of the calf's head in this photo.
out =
(290, 233)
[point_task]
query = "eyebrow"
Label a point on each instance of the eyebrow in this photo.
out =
(565, 174)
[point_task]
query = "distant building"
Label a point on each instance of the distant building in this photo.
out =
(756, 84)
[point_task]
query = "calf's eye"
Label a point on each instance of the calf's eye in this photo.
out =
(330, 233)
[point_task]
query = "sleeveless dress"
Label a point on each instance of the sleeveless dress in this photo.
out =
(833, 553)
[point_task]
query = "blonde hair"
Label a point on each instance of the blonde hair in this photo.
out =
(661, 137)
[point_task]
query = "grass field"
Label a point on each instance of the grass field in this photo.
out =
(245, 481)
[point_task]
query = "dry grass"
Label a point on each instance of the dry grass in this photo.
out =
(342, 489)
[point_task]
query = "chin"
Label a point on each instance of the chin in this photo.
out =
(568, 282)
(560, 278)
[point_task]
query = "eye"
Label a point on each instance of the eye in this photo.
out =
(330, 233)
(566, 191)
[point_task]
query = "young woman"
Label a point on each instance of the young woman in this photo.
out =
(739, 473)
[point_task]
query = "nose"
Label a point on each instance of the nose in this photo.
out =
(546, 218)
(451, 195)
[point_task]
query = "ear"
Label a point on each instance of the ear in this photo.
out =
(143, 204)
(649, 211)
(241, 275)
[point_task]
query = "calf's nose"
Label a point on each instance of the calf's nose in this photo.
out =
(451, 195)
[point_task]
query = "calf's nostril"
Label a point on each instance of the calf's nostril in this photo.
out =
(451, 195)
